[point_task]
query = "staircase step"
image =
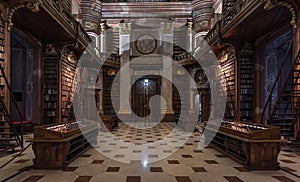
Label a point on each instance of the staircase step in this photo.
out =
(4, 127)
(7, 139)
(286, 108)
(282, 119)
(6, 133)
(288, 114)
(7, 144)
(282, 124)
(290, 94)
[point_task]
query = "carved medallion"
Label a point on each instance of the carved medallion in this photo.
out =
(146, 44)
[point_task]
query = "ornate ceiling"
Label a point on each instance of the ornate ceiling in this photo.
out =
(121, 1)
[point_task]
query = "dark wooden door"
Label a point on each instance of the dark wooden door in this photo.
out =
(143, 90)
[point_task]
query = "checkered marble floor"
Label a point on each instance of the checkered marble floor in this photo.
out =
(189, 162)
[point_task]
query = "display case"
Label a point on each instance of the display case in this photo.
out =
(57, 145)
(255, 146)
(110, 122)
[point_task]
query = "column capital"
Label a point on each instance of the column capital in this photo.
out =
(103, 27)
(167, 27)
(125, 28)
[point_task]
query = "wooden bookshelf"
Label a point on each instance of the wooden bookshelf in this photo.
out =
(110, 94)
(59, 73)
(68, 68)
(51, 89)
(2, 40)
(2, 82)
(246, 81)
(228, 73)
(181, 81)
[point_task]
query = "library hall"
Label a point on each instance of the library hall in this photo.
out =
(149, 90)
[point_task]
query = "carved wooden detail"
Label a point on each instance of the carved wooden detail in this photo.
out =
(125, 27)
(32, 5)
(167, 27)
(56, 48)
(60, 11)
(202, 14)
(3, 11)
(232, 8)
(91, 15)
(50, 50)
(291, 6)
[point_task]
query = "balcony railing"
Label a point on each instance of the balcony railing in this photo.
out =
(232, 10)
(212, 34)
(61, 11)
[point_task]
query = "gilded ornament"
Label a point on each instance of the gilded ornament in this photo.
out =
(32, 5)
(273, 3)
(90, 26)
(50, 50)
(125, 28)
(103, 27)
(167, 27)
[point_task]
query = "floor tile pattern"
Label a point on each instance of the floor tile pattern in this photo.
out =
(188, 164)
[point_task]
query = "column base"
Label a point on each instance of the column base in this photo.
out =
(167, 111)
(169, 115)
(124, 112)
(124, 115)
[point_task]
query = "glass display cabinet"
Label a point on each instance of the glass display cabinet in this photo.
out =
(57, 145)
(254, 146)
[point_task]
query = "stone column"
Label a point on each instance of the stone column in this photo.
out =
(99, 90)
(166, 86)
(88, 88)
(193, 93)
(91, 15)
(102, 49)
(102, 36)
(124, 46)
(190, 37)
(202, 14)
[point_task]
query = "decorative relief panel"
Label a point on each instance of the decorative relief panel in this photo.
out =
(146, 42)
(32, 5)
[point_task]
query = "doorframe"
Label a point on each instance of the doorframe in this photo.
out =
(133, 91)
